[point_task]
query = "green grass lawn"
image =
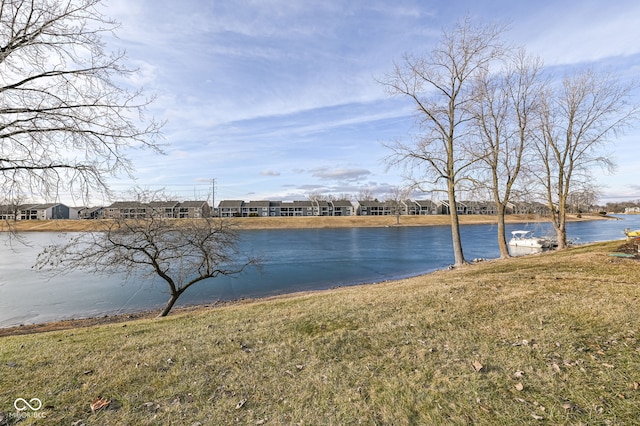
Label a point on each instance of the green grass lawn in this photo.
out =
(545, 339)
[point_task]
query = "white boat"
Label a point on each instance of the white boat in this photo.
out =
(527, 239)
(524, 251)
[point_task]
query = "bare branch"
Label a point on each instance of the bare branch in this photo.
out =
(505, 101)
(576, 121)
(440, 85)
(181, 252)
(64, 123)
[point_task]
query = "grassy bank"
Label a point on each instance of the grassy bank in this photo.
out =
(548, 339)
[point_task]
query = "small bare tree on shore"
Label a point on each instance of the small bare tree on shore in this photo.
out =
(182, 252)
(396, 198)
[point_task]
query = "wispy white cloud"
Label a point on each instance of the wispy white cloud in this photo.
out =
(291, 56)
(340, 174)
(579, 32)
(287, 90)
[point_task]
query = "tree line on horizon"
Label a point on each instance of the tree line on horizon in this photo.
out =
(620, 206)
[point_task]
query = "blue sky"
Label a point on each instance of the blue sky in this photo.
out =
(277, 99)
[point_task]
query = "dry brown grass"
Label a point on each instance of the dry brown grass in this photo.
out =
(546, 339)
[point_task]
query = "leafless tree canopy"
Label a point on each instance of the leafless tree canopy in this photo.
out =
(440, 85)
(506, 102)
(484, 116)
(64, 122)
(576, 120)
(182, 252)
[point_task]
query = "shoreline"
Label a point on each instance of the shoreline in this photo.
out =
(74, 323)
(252, 223)
(310, 222)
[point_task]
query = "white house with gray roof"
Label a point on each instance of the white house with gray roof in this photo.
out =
(47, 211)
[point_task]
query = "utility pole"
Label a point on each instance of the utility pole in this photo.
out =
(213, 196)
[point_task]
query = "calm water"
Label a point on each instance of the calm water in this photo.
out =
(293, 260)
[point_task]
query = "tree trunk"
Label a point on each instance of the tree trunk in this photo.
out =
(561, 235)
(502, 236)
(169, 305)
(559, 219)
(561, 228)
(455, 228)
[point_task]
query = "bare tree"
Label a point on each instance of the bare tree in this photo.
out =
(319, 196)
(440, 84)
(343, 196)
(182, 252)
(64, 122)
(396, 199)
(505, 106)
(365, 194)
(576, 121)
(12, 206)
(583, 199)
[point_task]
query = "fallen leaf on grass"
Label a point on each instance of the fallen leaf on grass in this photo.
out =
(99, 403)
(477, 366)
(519, 387)
(240, 404)
(518, 374)
(537, 417)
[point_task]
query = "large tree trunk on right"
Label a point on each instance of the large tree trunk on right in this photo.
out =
(561, 235)
(559, 220)
(502, 235)
(560, 225)
(455, 229)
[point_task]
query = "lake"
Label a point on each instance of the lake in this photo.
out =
(293, 260)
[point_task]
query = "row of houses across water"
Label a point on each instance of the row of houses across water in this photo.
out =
(125, 209)
(239, 208)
